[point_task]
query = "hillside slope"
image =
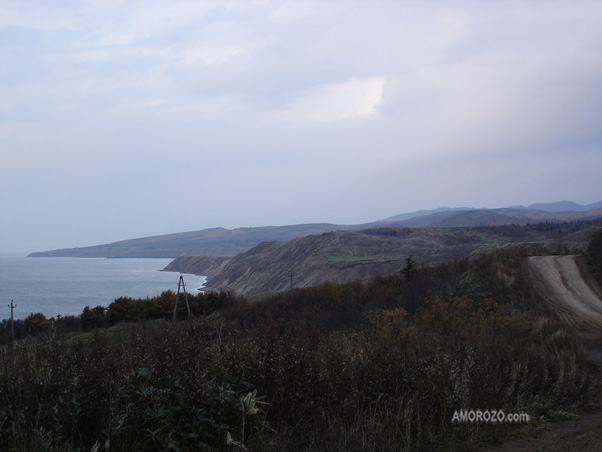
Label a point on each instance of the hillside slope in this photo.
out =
(342, 256)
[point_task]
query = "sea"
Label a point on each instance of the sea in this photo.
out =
(64, 286)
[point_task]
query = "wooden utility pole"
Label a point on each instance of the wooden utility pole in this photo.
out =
(290, 275)
(175, 309)
(12, 307)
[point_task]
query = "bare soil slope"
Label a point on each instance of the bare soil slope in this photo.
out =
(345, 255)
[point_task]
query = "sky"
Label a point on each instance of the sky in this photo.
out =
(125, 119)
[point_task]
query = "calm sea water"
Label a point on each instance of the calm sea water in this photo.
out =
(65, 286)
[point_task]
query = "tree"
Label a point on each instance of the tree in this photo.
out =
(93, 318)
(409, 269)
(35, 322)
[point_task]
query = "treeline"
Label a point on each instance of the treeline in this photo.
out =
(593, 256)
(123, 309)
(376, 365)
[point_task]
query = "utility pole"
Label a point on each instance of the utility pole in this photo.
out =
(175, 309)
(290, 275)
(12, 307)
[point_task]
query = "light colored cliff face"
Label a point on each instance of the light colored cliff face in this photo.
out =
(198, 265)
(342, 256)
(337, 256)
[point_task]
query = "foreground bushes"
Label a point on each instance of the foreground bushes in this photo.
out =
(395, 383)
(147, 390)
(381, 365)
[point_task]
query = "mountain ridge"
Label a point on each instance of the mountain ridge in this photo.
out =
(565, 206)
(222, 241)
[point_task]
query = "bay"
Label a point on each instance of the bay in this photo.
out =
(65, 286)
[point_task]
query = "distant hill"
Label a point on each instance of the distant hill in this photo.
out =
(495, 217)
(221, 241)
(560, 206)
(423, 213)
(215, 241)
(565, 206)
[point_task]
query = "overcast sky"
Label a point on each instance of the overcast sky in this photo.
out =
(124, 119)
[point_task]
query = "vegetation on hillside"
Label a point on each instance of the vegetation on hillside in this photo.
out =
(376, 365)
(123, 309)
(594, 255)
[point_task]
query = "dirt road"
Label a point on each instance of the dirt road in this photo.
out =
(563, 281)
